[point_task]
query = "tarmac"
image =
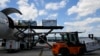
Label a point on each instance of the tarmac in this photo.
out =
(32, 52)
(37, 52)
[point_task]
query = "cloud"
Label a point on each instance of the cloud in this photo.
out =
(29, 10)
(36, 2)
(56, 6)
(39, 3)
(52, 16)
(3, 3)
(42, 12)
(84, 7)
(85, 25)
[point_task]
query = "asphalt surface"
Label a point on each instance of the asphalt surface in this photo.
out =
(32, 52)
(37, 52)
(94, 53)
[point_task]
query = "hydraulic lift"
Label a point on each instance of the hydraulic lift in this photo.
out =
(20, 34)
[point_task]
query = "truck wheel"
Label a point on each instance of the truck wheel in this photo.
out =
(81, 51)
(8, 51)
(64, 52)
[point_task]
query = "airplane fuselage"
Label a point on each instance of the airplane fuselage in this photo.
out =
(6, 24)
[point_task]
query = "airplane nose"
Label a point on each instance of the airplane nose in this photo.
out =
(8, 11)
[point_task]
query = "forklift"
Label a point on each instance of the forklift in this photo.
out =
(69, 45)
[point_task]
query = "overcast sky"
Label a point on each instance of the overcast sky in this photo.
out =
(74, 15)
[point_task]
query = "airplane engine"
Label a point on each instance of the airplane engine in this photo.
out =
(7, 24)
(43, 39)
